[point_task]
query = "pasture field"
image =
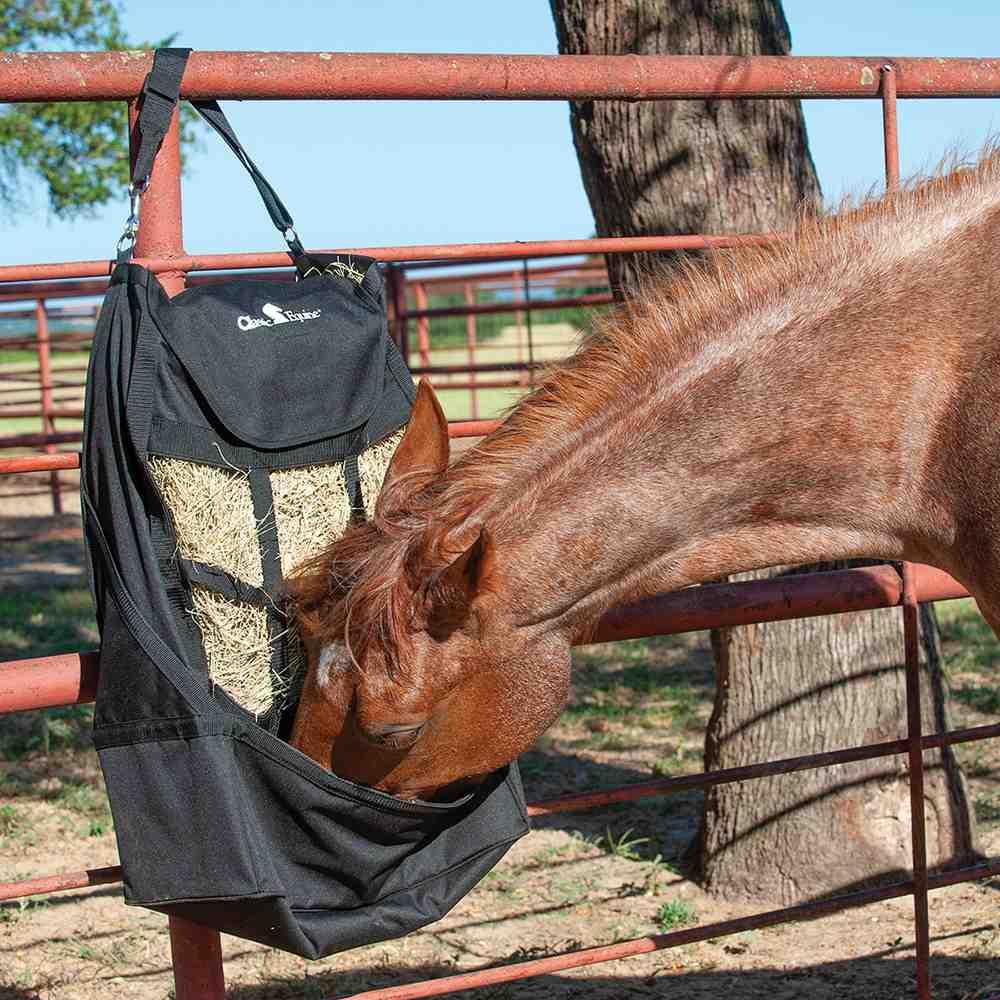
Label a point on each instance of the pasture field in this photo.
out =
(637, 709)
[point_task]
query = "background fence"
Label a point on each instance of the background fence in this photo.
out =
(478, 335)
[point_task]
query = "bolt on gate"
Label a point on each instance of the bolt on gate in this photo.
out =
(71, 678)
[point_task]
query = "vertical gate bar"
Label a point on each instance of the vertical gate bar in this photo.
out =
(392, 311)
(404, 324)
(470, 343)
(396, 280)
(45, 386)
(196, 952)
(526, 284)
(197, 957)
(911, 638)
(423, 325)
(890, 128)
(518, 321)
(160, 227)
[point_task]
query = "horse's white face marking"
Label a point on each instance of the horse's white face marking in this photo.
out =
(333, 659)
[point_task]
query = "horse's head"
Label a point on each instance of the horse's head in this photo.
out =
(420, 682)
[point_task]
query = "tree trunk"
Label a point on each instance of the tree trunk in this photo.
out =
(657, 167)
(783, 688)
(790, 688)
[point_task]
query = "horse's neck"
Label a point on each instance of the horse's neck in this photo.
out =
(802, 433)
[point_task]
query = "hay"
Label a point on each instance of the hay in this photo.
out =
(237, 645)
(310, 509)
(372, 465)
(212, 510)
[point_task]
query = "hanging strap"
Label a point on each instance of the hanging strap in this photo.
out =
(213, 114)
(160, 94)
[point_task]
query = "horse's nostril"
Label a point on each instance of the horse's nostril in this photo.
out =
(397, 736)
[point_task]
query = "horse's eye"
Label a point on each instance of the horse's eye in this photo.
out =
(400, 736)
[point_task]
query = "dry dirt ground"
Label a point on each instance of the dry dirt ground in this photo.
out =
(577, 880)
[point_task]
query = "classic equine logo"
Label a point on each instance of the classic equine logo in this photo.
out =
(273, 316)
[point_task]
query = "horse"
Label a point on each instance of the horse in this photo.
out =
(830, 395)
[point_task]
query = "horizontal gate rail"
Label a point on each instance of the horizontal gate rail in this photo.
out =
(392, 254)
(118, 76)
(71, 678)
(40, 463)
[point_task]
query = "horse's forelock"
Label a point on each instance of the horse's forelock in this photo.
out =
(361, 587)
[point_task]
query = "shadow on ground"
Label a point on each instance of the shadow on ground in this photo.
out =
(873, 978)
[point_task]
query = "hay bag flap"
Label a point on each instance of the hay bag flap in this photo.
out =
(230, 433)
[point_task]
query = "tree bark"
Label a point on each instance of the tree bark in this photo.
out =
(790, 688)
(783, 688)
(656, 167)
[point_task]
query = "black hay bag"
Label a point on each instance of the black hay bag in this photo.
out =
(219, 820)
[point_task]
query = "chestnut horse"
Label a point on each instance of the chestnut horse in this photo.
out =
(833, 395)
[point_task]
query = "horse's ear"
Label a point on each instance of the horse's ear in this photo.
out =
(424, 449)
(449, 598)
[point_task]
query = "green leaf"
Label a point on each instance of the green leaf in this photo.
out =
(77, 149)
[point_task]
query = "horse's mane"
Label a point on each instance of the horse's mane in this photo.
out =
(366, 580)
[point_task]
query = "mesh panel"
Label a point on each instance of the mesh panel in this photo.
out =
(212, 513)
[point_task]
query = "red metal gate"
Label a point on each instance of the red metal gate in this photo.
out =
(71, 678)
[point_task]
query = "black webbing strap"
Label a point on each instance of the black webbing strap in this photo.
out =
(270, 562)
(160, 94)
(352, 486)
(267, 529)
(229, 586)
(213, 114)
(142, 381)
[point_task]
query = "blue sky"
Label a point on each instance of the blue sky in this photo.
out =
(376, 173)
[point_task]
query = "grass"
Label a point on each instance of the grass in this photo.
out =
(971, 652)
(667, 767)
(492, 403)
(88, 801)
(630, 682)
(675, 913)
(622, 845)
(981, 698)
(450, 331)
(33, 425)
(987, 809)
(10, 820)
(42, 623)
(14, 356)
(970, 643)
(80, 797)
